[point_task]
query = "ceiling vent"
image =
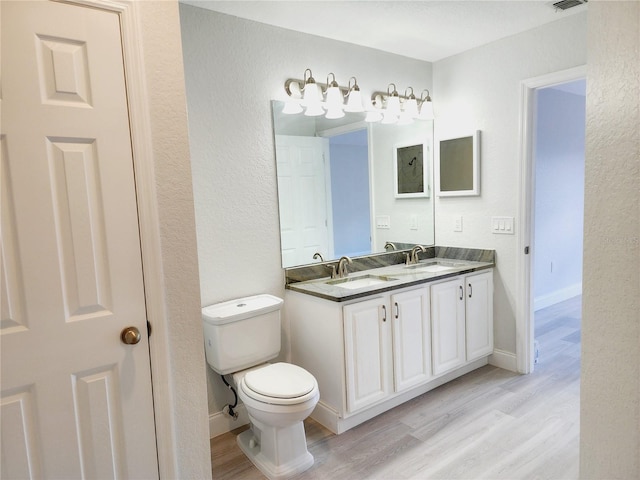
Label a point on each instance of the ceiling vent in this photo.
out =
(565, 4)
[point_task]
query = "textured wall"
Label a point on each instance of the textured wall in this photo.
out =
(165, 87)
(559, 193)
(233, 69)
(610, 383)
(480, 89)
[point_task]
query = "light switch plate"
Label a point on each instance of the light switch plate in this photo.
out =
(502, 225)
(457, 223)
(413, 222)
(383, 222)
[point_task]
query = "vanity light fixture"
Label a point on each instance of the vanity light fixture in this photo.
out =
(333, 98)
(402, 109)
(354, 98)
(333, 101)
(306, 95)
(426, 107)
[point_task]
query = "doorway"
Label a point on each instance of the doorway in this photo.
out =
(550, 260)
(558, 210)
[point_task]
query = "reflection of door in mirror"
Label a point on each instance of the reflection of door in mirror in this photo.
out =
(349, 164)
(323, 192)
(303, 198)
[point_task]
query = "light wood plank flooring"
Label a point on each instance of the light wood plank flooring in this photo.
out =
(488, 424)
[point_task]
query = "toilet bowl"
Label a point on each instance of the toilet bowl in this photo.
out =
(240, 337)
(278, 398)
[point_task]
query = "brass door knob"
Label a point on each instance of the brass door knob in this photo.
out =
(130, 335)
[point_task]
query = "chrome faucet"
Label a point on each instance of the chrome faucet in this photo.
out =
(413, 258)
(342, 266)
(389, 244)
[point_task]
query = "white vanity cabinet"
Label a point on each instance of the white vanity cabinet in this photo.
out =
(387, 346)
(411, 338)
(375, 352)
(367, 345)
(462, 320)
(479, 315)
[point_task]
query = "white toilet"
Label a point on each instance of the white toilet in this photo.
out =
(240, 337)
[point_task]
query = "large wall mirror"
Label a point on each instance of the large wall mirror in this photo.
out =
(336, 186)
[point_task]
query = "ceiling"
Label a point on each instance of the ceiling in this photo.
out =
(423, 29)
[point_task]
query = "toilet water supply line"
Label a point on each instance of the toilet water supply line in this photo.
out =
(235, 396)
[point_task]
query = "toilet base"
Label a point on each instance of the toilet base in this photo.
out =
(250, 447)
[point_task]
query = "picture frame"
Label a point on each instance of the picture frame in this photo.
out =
(410, 171)
(458, 166)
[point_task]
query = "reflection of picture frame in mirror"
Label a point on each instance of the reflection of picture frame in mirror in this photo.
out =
(459, 166)
(411, 175)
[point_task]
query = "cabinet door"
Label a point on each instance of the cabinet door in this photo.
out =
(448, 325)
(479, 315)
(366, 337)
(411, 338)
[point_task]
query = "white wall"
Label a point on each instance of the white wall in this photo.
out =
(610, 382)
(480, 89)
(185, 365)
(559, 195)
(233, 68)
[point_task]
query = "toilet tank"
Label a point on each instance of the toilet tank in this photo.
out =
(241, 333)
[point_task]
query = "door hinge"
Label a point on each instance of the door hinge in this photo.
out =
(148, 329)
(526, 250)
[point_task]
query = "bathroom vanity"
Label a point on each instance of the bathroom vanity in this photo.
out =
(383, 336)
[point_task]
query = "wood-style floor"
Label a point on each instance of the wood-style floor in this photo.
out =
(488, 424)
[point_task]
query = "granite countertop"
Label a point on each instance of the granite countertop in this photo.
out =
(384, 279)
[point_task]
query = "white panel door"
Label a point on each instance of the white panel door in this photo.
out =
(479, 315)
(76, 401)
(367, 355)
(447, 320)
(303, 199)
(411, 338)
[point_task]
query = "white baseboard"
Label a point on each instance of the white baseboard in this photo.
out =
(221, 422)
(558, 296)
(502, 359)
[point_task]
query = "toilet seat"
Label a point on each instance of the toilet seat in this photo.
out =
(279, 384)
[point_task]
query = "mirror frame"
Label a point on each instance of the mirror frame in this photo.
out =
(397, 158)
(471, 160)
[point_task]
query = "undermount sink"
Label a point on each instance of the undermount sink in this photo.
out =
(435, 266)
(360, 282)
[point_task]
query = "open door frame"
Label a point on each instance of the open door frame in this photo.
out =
(524, 302)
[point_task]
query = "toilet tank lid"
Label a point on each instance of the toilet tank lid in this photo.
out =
(240, 309)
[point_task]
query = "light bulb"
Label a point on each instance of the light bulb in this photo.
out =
(334, 98)
(373, 116)
(411, 107)
(389, 118)
(311, 95)
(354, 102)
(335, 112)
(393, 105)
(314, 110)
(426, 110)
(292, 107)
